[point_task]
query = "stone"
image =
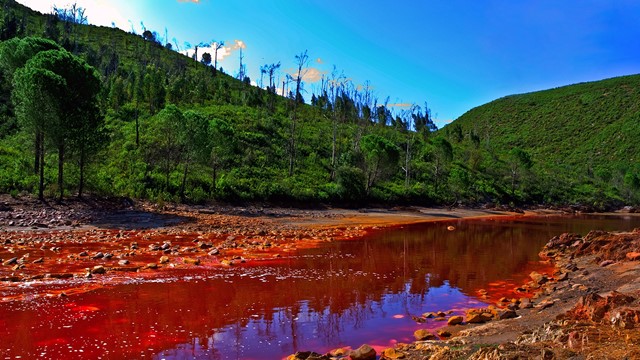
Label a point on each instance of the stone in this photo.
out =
(214, 251)
(422, 335)
(538, 278)
(164, 259)
(391, 354)
(123, 262)
(507, 314)
(475, 319)
(98, 255)
(38, 261)
(83, 253)
(605, 263)
(562, 277)
(455, 320)
(99, 269)
(339, 352)
(633, 256)
(191, 261)
(152, 266)
(428, 315)
(12, 261)
(364, 352)
(444, 333)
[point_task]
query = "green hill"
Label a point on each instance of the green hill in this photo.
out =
(585, 134)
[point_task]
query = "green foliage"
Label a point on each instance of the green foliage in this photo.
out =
(176, 129)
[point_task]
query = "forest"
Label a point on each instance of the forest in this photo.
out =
(100, 111)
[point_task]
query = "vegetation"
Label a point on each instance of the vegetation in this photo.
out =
(128, 116)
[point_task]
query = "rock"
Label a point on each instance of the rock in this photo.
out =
(562, 277)
(123, 262)
(606, 263)
(475, 319)
(444, 333)
(226, 263)
(441, 314)
(507, 314)
(214, 251)
(633, 256)
(455, 320)
(364, 352)
(152, 266)
(538, 278)
(306, 355)
(98, 255)
(391, 353)
(164, 259)
(38, 261)
(428, 315)
(83, 253)
(99, 269)
(191, 261)
(422, 334)
(12, 261)
(563, 240)
(339, 352)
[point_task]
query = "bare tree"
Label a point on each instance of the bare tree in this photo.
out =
(217, 45)
(302, 61)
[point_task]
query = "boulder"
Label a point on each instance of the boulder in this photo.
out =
(538, 278)
(455, 320)
(191, 261)
(391, 354)
(364, 352)
(475, 319)
(422, 335)
(633, 256)
(507, 314)
(99, 269)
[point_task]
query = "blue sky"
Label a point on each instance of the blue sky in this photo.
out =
(453, 54)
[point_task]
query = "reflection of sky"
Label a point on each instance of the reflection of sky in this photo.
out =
(378, 323)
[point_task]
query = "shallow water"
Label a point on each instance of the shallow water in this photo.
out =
(339, 294)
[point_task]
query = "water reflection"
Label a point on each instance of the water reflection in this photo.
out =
(340, 294)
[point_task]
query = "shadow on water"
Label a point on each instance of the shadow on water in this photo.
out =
(137, 220)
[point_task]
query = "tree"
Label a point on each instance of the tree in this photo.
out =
(442, 155)
(206, 59)
(381, 158)
(195, 143)
(302, 61)
(56, 95)
(217, 45)
(519, 160)
(15, 53)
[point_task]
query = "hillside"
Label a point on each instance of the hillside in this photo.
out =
(584, 126)
(585, 133)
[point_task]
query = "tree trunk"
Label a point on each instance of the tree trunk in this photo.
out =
(184, 181)
(60, 172)
(38, 143)
(81, 165)
(40, 154)
(214, 178)
(334, 150)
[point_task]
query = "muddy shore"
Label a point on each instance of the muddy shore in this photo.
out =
(554, 317)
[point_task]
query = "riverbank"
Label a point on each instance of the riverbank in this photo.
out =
(589, 308)
(44, 244)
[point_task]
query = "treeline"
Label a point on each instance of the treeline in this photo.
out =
(165, 127)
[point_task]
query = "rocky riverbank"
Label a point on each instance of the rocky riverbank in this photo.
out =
(589, 308)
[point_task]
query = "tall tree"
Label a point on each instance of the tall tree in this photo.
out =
(302, 61)
(57, 94)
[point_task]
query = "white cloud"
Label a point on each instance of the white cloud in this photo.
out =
(224, 52)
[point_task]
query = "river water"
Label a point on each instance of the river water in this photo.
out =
(339, 294)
